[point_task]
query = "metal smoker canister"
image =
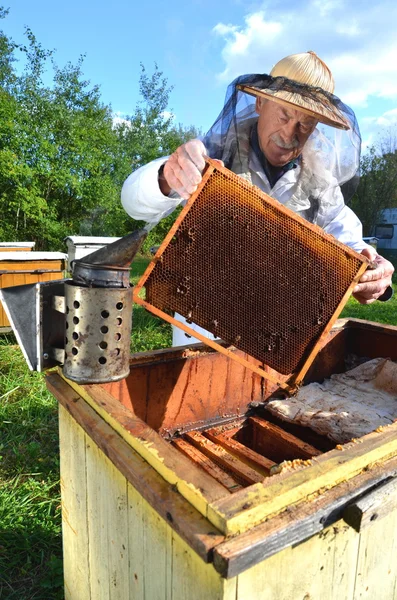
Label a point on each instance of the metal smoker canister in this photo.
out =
(98, 331)
(98, 304)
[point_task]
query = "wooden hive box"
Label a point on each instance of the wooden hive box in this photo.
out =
(20, 268)
(160, 500)
(16, 246)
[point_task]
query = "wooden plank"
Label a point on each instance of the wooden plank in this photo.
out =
(278, 444)
(164, 498)
(175, 391)
(194, 484)
(222, 457)
(247, 508)
(157, 550)
(296, 524)
(117, 529)
(108, 526)
(376, 577)
(375, 505)
(135, 543)
(248, 456)
(207, 464)
(321, 567)
(97, 524)
(75, 540)
(192, 579)
(373, 340)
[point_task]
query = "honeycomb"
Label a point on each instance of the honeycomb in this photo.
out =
(251, 272)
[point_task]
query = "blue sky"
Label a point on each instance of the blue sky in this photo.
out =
(201, 45)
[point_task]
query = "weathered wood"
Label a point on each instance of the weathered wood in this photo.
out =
(99, 517)
(374, 505)
(207, 464)
(248, 456)
(190, 579)
(321, 568)
(229, 462)
(247, 508)
(376, 571)
(176, 511)
(193, 483)
(296, 524)
(134, 537)
(373, 340)
(74, 508)
(278, 444)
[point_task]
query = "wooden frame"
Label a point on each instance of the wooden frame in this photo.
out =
(291, 382)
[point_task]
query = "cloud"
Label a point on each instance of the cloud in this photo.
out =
(166, 114)
(357, 41)
(118, 119)
(388, 119)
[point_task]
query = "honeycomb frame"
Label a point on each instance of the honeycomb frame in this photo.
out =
(231, 241)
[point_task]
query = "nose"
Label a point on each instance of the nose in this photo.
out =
(288, 132)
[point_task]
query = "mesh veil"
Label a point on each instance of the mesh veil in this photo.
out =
(332, 155)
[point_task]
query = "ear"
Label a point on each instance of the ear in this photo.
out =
(258, 104)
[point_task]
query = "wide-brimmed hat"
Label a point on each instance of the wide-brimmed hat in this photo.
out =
(305, 83)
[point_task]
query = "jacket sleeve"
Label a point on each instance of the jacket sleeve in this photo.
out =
(339, 220)
(141, 196)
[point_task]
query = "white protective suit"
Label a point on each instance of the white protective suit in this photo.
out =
(142, 199)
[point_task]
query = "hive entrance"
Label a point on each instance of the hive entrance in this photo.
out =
(253, 273)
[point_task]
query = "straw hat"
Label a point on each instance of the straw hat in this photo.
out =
(306, 69)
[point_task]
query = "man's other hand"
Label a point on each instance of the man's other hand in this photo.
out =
(374, 282)
(182, 171)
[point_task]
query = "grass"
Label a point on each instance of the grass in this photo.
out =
(30, 515)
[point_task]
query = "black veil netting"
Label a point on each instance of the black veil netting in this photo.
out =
(336, 150)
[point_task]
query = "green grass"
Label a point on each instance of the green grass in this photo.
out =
(380, 312)
(30, 516)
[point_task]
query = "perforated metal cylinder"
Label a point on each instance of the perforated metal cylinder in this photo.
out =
(98, 331)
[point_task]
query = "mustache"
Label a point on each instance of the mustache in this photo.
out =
(282, 144)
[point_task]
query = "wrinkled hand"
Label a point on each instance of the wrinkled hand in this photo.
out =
(374, 282)
(182, 171)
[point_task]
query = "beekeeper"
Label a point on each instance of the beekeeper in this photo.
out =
(287, 134)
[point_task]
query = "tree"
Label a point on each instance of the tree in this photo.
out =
(149, 133)
(62, 159)
(378, 182)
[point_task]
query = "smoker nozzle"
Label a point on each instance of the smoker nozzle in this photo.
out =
(109, 267)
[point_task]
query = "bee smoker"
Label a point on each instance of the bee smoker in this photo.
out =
(83, 323)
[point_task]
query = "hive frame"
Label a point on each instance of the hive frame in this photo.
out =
(289, 383)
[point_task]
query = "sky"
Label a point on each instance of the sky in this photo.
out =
(202, 45)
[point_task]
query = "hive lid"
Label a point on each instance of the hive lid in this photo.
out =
(31, 256)
(253, 273)
(89, 240)
(17, 244)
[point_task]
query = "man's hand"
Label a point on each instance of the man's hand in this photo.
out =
(182, 171)
(374, 282)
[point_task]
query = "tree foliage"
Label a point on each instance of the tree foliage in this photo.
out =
(378, 182)
(62, 158)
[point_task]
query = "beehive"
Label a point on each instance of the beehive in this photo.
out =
(144, 517)
(253, 273)
(16, 246)
(20, 268)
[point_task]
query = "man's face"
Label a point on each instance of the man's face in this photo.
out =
(282, 131)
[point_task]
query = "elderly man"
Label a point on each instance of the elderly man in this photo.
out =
(287, 134)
